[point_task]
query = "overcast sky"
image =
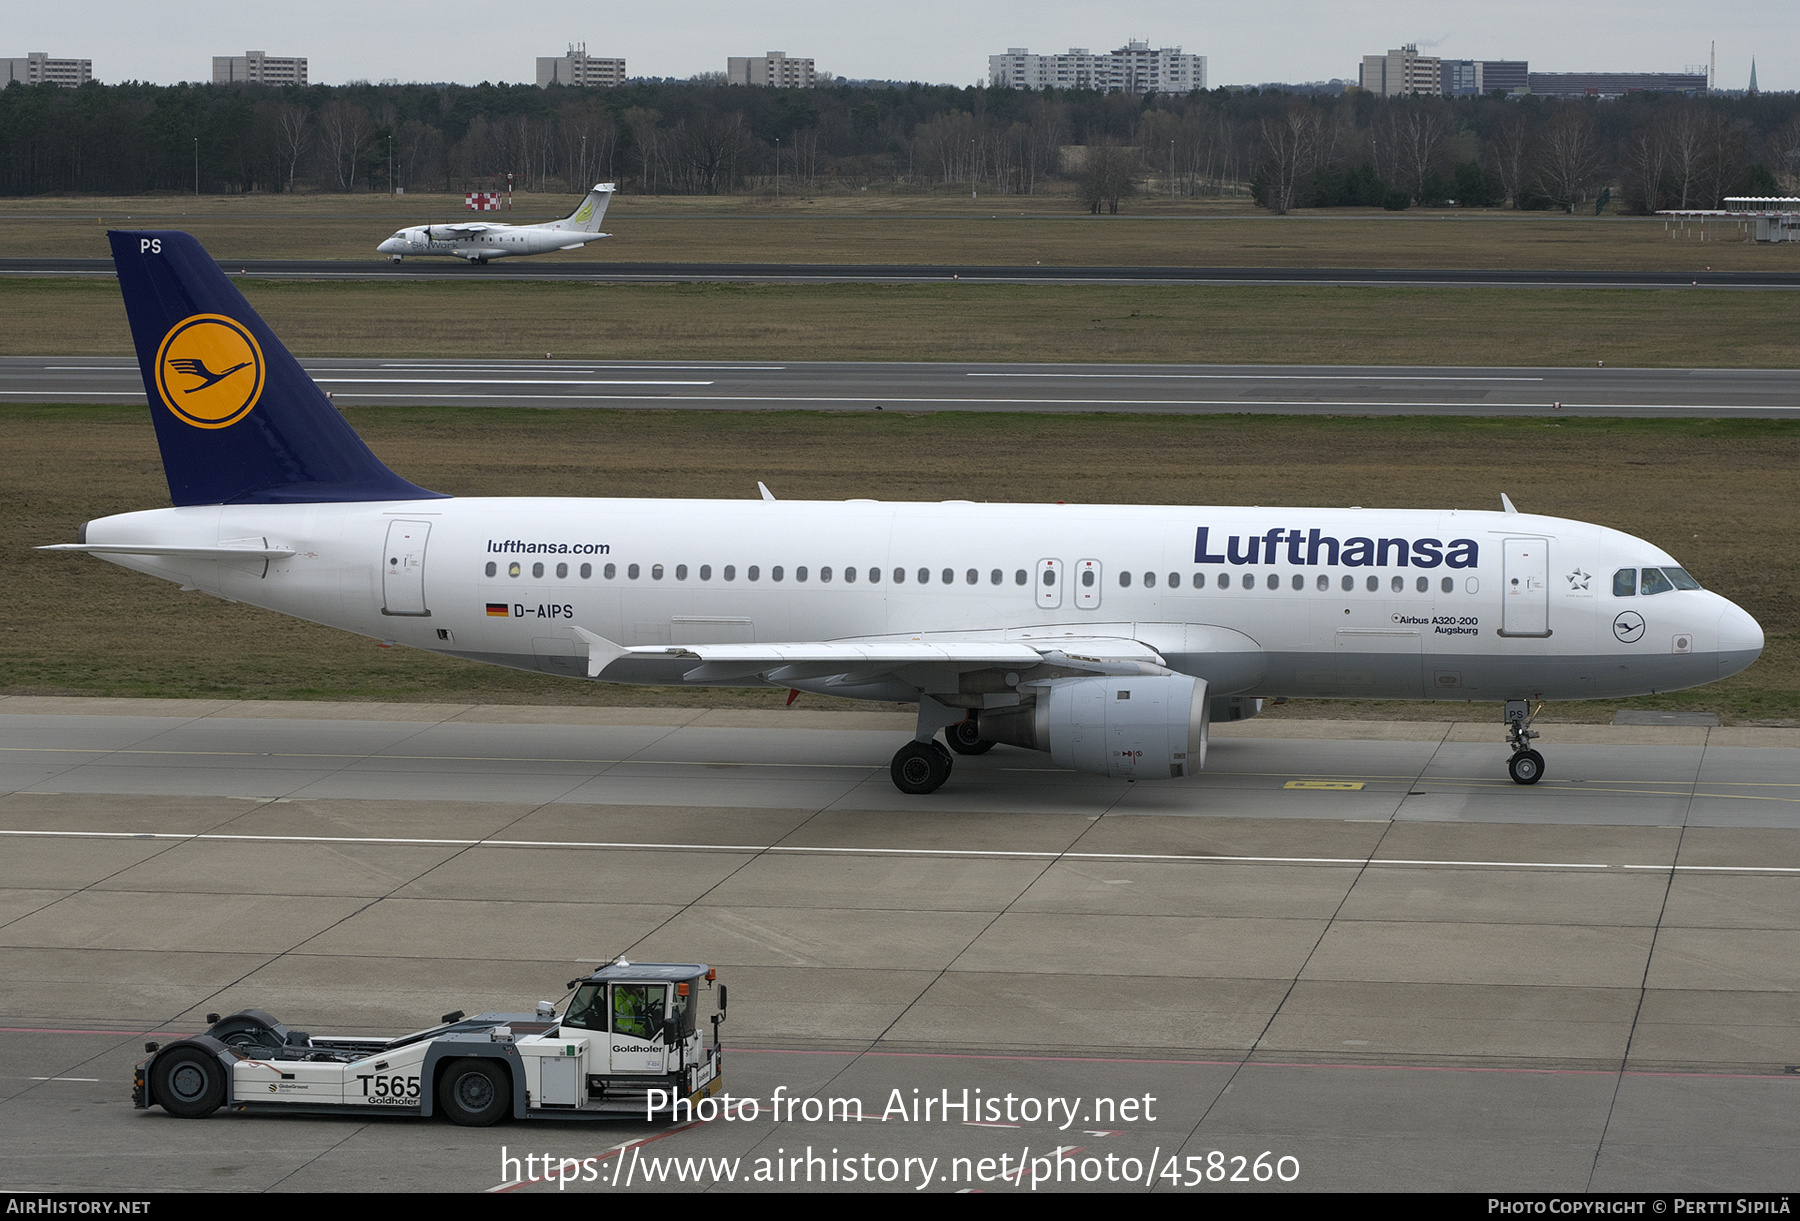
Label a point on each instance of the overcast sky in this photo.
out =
(942, 41)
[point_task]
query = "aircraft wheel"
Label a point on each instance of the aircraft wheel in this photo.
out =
(189, 1082)
(920, 767)
(1526, 767)
(965, 739)
(475, 1093)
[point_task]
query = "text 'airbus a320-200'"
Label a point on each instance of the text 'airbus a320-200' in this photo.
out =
(1109, 636)
(479, 241)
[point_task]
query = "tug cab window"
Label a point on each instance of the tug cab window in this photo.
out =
(637, 1010)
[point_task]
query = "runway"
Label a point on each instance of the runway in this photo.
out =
(898, 273)
(1353, 944)
(923, 386)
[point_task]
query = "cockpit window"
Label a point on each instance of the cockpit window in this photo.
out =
(1654, 582)
(1625, 583)
(1681, 579)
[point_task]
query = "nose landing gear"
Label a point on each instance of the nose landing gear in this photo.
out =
(1526, 765)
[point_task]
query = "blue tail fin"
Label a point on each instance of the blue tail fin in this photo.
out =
(237, 418)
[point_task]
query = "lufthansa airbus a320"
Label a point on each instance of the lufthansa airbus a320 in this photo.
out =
(1109, 636)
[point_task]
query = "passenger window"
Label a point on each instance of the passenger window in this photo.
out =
(825, 575)
(1249, 581)
(562, 572)
(924, 576)
(1149, 580)
(1374, 583)
(849, 575)
(1087, 578)
(1224, 580)
(949, 575)
(1049, 576)
(800, 573)
(995, 577)
(1324, 582)
(775, 573)
(1199, 580)
(1124, 579)
(587, 571)
(753, 573)
(899, 576)
(1448, 585)
(706, 572)
(492, 568)
(1274, 581)
(1174, 580)
(1019, 577)
(537, 570)
(631, 571)
(1625, 583)
(656, 572)
(874, 576)
(971, 577)
(729, 572)
(1299, 581)
(1654, 582)
(1398, 584)
(1348, 583)
(681, 572)
(610, 571)
(1424, 585)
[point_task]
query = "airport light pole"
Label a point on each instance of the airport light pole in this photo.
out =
(196, 166)
(777, 169)
(390, 164)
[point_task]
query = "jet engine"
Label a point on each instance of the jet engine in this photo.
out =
(1136, 727)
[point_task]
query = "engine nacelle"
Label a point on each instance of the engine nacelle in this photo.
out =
(1137, 727)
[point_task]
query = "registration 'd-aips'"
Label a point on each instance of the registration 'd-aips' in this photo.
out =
(1107, 635)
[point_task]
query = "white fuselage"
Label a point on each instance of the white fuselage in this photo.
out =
(1324, 603)
(493, 242)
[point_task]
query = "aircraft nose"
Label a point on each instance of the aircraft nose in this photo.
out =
(391, 246)
(1740, 639)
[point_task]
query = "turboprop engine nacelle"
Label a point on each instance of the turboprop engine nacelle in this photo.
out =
(1138, 727)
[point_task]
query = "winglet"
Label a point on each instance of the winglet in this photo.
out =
(601, 651)
(1507, 504)
(764, 489)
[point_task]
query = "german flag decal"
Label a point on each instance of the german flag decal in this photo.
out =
(497, 610)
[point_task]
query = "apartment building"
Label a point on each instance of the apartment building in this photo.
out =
(775, 69)
(580, 68)
(37, 68)
(1135, 67)
(259, 68)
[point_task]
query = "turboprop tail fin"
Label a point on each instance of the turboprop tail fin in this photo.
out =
(238, 420)
(587, 218)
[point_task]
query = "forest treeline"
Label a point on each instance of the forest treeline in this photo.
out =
(1285, 151)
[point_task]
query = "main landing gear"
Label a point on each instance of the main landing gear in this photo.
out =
(923, 764)
(1526, 766)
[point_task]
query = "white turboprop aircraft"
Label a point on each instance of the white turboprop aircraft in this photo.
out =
(1109, 636)
(478, 241)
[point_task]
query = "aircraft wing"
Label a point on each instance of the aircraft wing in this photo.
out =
(438, 232)
(878, 655)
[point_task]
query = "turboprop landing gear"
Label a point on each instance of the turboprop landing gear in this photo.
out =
(1526, 766)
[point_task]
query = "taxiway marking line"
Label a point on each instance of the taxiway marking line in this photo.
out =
(803, 849)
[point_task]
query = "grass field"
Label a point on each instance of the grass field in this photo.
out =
(940, 228)
(1718, 495)
(1249, 325)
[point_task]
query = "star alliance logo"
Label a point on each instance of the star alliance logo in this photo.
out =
(1578, 579)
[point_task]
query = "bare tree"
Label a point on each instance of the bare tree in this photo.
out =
(1290, 145)
(1642, 167)
(346, 128)
(1420, 130)
(1784, 151)
(1108, 174)
(1570, 158)
(294, 123)
(1512, 150)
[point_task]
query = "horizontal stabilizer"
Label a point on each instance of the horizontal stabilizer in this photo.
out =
(189, 553)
